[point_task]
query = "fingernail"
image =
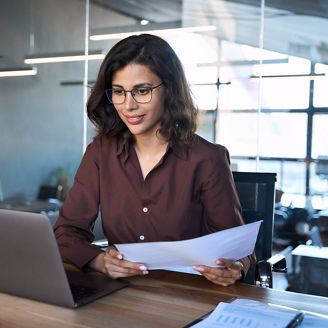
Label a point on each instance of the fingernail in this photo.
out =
(119, 256)
(218, 262)
(145, 272)
(142, 268)
(198, 268)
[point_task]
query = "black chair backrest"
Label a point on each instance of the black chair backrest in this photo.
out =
(256, 191)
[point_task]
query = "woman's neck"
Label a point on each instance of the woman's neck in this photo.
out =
(148, 145)
(149, 152)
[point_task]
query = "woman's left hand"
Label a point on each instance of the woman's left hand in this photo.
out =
(227, 274)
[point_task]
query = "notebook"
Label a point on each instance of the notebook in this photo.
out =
(31, 265)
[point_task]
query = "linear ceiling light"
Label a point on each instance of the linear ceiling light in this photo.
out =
(18, 72)
(310, 76)
(118, 32)
(63, 57)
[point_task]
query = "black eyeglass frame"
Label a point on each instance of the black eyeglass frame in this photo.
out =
(108, 93)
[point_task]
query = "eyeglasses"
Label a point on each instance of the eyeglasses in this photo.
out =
(141, 95)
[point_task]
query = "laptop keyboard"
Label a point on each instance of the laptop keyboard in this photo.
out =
(80, 292)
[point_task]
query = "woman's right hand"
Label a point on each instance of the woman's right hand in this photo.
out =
(117, 267)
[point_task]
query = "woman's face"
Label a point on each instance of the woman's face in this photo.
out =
(142, 119)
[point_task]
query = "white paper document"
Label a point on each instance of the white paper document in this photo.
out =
(230, 315)
(232, 244)
(253, 314)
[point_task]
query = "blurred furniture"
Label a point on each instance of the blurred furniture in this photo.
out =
(160, 299)
(46, 203)
(49, 192)
(256, 192)
(309, 269)
(320, 219)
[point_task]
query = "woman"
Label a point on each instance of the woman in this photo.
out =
(151, 176)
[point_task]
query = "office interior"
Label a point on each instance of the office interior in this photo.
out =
(258, 71)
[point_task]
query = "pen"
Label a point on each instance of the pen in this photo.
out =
(296, 321)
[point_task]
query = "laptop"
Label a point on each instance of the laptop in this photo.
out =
(31, 266)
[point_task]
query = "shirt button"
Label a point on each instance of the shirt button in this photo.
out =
(142, 237)
(145, 209)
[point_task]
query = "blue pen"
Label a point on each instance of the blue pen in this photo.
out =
(296, 321)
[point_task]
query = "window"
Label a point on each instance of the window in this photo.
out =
(320, 97)
(320, 135)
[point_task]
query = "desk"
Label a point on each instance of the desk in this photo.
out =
(162, 299)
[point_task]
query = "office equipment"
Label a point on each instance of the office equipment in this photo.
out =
(234, 243)
(256, 192)
(31, 265)
(162, 299)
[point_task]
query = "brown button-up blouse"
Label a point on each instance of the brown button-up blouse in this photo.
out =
(189, 193)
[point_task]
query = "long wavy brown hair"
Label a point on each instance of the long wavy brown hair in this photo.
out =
(179, 121)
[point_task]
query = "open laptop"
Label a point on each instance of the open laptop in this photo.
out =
(31, 266)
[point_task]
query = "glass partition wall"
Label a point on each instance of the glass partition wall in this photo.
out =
(41, 118)
(258, 74)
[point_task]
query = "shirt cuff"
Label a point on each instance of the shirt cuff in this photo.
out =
(80, 254)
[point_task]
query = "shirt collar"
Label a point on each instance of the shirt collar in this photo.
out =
(179, 151)
(123, 146)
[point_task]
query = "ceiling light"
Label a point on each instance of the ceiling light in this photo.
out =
(144, 22)
(63, 57)
(310, 76)
(119, 32)
(18, 72)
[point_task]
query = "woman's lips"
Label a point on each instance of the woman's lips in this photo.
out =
(134, 119)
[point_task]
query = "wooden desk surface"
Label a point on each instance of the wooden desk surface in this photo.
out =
(161, 299)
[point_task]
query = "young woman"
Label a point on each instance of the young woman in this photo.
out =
(149, 174)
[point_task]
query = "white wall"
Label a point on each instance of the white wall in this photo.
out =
(41, 122)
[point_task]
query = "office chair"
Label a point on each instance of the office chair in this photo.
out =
(256, 192)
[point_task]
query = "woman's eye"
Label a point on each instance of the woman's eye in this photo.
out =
(118, 92)
(142, 91)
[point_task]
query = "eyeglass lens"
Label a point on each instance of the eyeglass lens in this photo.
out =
(140, 95)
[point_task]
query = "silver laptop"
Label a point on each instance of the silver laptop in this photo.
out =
(31, 266)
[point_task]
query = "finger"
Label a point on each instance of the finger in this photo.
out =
(218, 276)
(230, 264)
(218, 280)
(118, 274)
(235, 266)
(114, 253)
(222, 273)
(121, 268)
(111, 258)
(117, 271)
(224, 262)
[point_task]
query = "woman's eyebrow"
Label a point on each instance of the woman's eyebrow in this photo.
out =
(144, 84)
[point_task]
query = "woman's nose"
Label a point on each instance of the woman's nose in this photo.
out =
(130, 103)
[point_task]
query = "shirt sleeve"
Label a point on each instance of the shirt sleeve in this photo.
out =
(222, 209)
(73, 229)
